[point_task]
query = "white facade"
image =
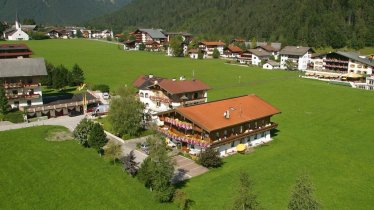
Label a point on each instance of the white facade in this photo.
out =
(300, 61)
(359, 68)
(251, 141)
(25, 96)
(18, 34)
(194, 55)
(255, 60)
(209, 49)
(269, 66)
(152, 106)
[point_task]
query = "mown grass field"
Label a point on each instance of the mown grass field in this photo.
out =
(325, 130)
(40, 174)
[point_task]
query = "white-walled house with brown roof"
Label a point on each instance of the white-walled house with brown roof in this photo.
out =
(222, 124)
(208, 47)
(160, 94)
(300, 56)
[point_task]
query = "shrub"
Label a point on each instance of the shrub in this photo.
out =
(96, 137)
(101, 87)
(216, 53)
(14, 117)
(82, 130)
(210, 158)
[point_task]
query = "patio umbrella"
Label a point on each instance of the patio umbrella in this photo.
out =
(241, 147)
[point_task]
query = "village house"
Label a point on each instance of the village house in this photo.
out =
(270, 64)
(130, 45)
(232, 51)
(102, 34)
(259, 55)
(186, 38)
(208, 48)
(222, 124)
(148, 35)
(193, 53)
(160, 94)
(272, 48)
(245, 57)
(21, 80)
(299, 56)
(16, 32)
(152, 46)
(14, 51)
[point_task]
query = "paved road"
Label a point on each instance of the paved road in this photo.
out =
(66, 121)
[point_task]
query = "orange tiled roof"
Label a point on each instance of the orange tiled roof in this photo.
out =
(182, 86)
(234, 49)
(212, 43)
(210, 116)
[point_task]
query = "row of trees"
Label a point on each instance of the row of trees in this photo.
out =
(60, 76)
(4, 106)
(316, 23)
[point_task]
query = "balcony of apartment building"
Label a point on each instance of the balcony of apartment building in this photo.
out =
(22, 94)
(186, 132)
(11, 85)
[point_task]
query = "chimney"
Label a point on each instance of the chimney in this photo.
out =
(226, 114)
(156, 82)
(150, 76)
(182, 78)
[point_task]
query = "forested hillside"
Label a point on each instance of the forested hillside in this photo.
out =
(335, 23)
(57, 11)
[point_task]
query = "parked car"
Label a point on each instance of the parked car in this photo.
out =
(170, 143)
(106, 96)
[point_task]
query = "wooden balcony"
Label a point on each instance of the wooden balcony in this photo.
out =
(244, 134)
(196, 139)
(23, 96)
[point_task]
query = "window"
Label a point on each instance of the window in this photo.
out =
(15, 92)
(241, 129)
(16, 103)
(146, 95)
(256, 124)
(28, 102)
(196, 95)
(262, 134)
(158, 104)
(255, 137)
(225, 132)
(142, 94)
(29, 80)
(192, 146)
(233, 144)
(217, 134)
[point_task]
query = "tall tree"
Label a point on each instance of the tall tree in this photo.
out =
(302, 196)
(246, 199)
(129, 163)
(216, 53)
(126, 112)
(113, 151)
(77, 75)
(176, 45)
(157, 170)
(96, 137)
(4, 107)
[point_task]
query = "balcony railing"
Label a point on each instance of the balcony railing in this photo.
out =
(25, 96)
(161, 99)
(335, 61)
(19, 85)
(244, 134)
(190, 139)
(206, 141)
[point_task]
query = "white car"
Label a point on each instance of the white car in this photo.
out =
(106, 96)
(170, 143)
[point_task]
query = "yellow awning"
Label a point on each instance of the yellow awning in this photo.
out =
(241, 147)
(352, 75)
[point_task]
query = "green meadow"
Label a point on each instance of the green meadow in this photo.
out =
(324, 130)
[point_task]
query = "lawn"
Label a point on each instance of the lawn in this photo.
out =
(40, 174)
(324, 129)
